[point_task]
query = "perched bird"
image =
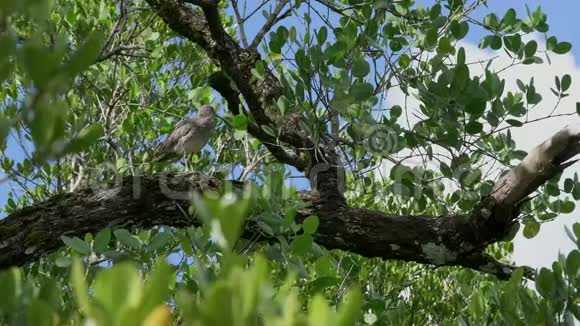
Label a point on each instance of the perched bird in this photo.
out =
(189, 136)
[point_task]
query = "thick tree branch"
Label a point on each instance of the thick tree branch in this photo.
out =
(541, 164)
(146, 201)
(142, 202)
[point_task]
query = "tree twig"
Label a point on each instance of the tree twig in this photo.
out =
(272, 20)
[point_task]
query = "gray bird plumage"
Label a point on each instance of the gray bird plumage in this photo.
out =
(189, 136)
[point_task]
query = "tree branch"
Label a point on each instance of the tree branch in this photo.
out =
(206, 31)
(240, 22)
(141, 202)
(222, 84)
(272, 20)
(542, 163)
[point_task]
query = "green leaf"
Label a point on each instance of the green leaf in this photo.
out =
(567, 207)
(259, 69)
(395, 111)
(77, 244)
(404, 60)
(573, 264)
(38, 313)
(545, 283)
(551, 189)
(557, 81)
(446, 170)
(102, 239)
(461, 56)
(47, 124)
(223, 216)
(576, 191)
(474, 127)
(5, 126)
(495, 42)
(126, 238)
(513, 42)
(432, 37)
(460, 77)
(576, 228)
(459, 29)
(219, 305)
(530, 49)
(86, 137)
(80, 288)
(551, 43)
(471, 178)
(157, 289)
(434, 12)
(514, 122)
(568, 185)
(566, 82)
(11, 281)
(324, 266)
(283, 104)
(292, 34)
(302, 244)
(360, 68)
(476, 107)
(159, 240)
(477, 304)
(319, 311)
(153, 37)
(362, 91)
(531, 229)
(87, 54)
(38, 62)
(63, 261)
(509, 18)
(310, 224)
(118, 288)
(562, 48)
(335, 52)
(240, 122)
(349, 310)
(445, 46)
(322, 35)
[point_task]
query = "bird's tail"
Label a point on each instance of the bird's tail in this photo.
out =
(163, 156)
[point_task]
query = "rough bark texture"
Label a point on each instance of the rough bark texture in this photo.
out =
(457, 240)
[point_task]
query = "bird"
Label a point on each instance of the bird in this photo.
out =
(189, 136)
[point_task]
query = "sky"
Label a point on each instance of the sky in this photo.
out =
(542, 250)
